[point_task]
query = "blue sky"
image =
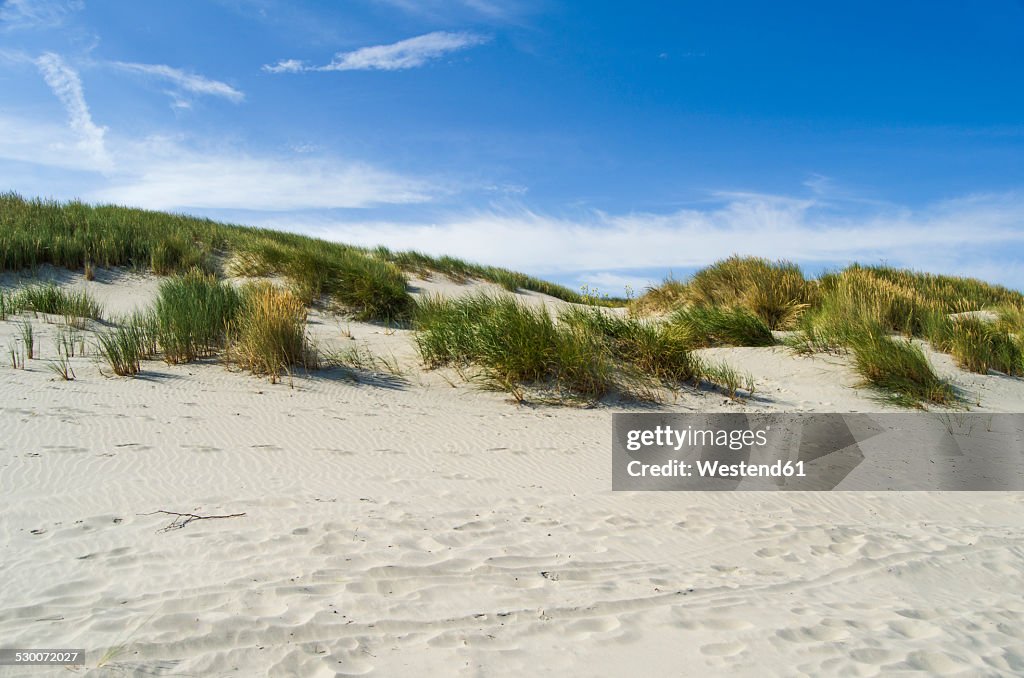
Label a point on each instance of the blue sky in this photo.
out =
(593, 142)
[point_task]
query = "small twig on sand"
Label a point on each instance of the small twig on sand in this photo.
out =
(183, 519)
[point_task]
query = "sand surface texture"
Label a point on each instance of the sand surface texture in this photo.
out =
(416, 525)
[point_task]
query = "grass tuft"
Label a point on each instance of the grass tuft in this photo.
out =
(9, 304)
(74, 305)
(706, 326)
(898, 369)
(268, 336)
(62, 368)
(979, 346)
(192, 315)
(654, 349)
(28, 338)
(660, 299)
(124, 348)
(514, 344)
(728, 378)
(16, 355)
(586, 353)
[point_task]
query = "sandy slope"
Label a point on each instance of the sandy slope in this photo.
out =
(405, 526)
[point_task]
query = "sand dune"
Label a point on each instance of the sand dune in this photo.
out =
(416, 525)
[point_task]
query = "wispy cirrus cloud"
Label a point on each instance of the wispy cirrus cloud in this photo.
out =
(23, 14)
(487, 9)
(184, 83)
(172, 173)
(410, 53)
(288, 66)
(67, 86)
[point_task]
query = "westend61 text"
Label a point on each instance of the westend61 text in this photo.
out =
(677, 468)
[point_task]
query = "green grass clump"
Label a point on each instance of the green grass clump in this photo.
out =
(898, 369)
(28, 338)
(727, 378)
(373, 289)
(585, 352)
(657, 350)
(514, 344)
(268, 336)
(857, 293)
(365, 285)
(74, 305)
(192, 314)
(979, 346)
(123, 348)
(10, 304)
(176, 253)
(719, 326)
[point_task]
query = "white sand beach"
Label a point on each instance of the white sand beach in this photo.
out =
(414, 524)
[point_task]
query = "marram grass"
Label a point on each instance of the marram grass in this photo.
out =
(513, 344)
(370, 283)
(192, 315)
(776, 292)
(653, 349)
(584, 353)
(898, 370)
(706, 326)
(123, 349)
(268, 335)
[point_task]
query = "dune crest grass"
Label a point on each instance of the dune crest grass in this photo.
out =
(852, 311)
(775, 292)
(371, 283)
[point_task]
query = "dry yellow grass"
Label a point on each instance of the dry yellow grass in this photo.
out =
(269, 335)
(776, 292)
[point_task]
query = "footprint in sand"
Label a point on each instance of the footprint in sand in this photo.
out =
(722, 649)
(812, 634)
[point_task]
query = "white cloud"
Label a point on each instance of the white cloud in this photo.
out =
(46, 144)
(437, 9)
(67, 86)
(954, 236)
(22, 14)
(286, 66)
(185, 82)
(401, 55)
(168, 176)
(171, 174)
(162, 173)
